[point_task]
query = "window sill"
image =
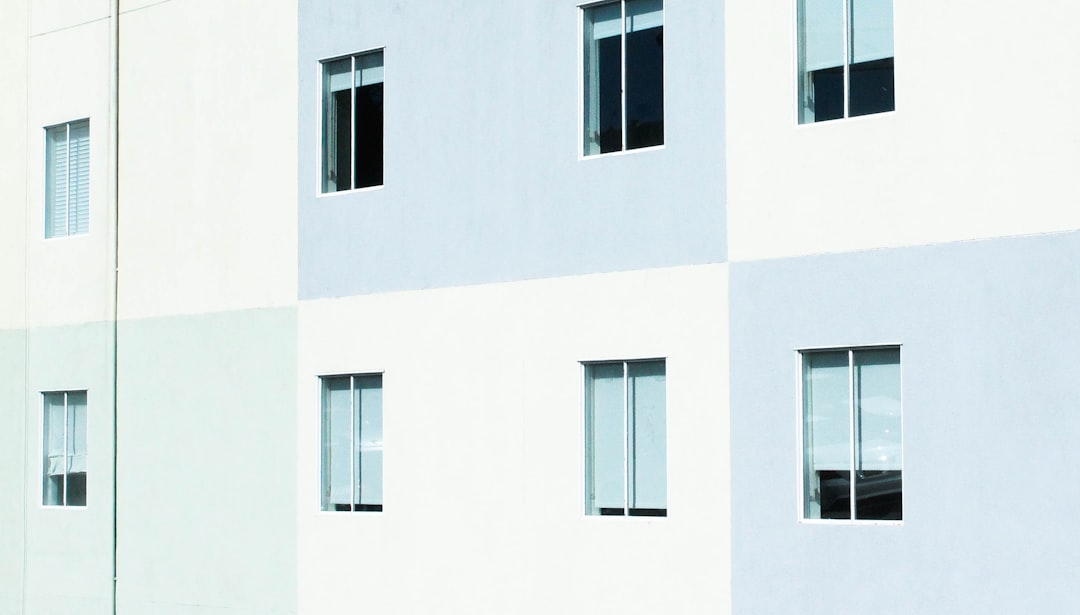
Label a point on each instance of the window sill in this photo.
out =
(864, 522)
(625, 152)
(322, 195)
(845, 120)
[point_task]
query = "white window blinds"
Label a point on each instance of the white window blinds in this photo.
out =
(67, 179)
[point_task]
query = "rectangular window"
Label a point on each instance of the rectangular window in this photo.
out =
(67, 179)
(851, 434)
(352, 443)
(64, 449)
(352, 122)
(625, 439)
(845, 58)
(623, 56)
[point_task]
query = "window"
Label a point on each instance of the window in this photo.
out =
(845, 58)
(352, 122)
(352, 443)
(851, 434)
(67, 179)
(624, 76)
(64, 449)
(625, 439)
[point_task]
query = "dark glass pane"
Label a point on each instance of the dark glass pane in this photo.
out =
(369, 135)
(835, 494)
(645, 88)
(828, 93)
(872, 87)
(879, 495)
(76, 489)
(343, 140)
(609, 51)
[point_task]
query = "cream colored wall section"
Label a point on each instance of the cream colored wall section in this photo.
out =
(68, 276)
(207, 157)
(483, 462)
(13, 163)
(984, 142)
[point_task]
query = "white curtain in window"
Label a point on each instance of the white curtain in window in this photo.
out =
(648, 433)
(607, 441)
(877, 394)
(644, 14)
(871, 30)
(56, 459)
(337, 431)
(76, 432)
(369, 439)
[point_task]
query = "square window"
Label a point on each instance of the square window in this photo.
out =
(625, 438)
(352, 443)
(851, 433)
(845, 58)
(623, 62)
(64, 449)
(352, 122)
(67, 179)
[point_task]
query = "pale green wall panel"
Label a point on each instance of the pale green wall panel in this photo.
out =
(12, 449)
(207, 458)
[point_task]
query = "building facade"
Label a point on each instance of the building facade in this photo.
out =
(629, 307)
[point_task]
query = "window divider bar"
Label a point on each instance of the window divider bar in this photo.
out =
(851, 434)
(849, 44)
(67, 219)
(622, 83)
(626, 438)
(352, 444)
(352, 136)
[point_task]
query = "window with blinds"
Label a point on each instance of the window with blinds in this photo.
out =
(64, 449)
(67, 179)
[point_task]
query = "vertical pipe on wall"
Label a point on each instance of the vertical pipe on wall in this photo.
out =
(114, 256)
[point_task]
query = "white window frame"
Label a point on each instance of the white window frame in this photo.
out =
(320, 76)
(797, 67)
(47, 224)
(800, 418)
(321, 435)
(43, 453)
(581, 85)
(585, 444)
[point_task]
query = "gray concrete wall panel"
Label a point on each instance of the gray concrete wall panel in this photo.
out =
(483, 180)
(988, 332)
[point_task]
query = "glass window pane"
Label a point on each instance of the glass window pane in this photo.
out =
(337, 126)
(369, 120)
(648, 430)
(878, 456)
(605, 439)
(821, 59)
(644, 73)
(337, 443)
(603, 79)
(369, 439)
(826, 436)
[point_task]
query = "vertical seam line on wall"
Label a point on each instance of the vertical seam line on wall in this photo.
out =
(26, 307)
(114, 198)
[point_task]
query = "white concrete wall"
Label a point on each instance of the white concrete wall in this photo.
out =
(207, 156)
(483, 467)
(984, 142)
(13, 180)
(68, 277)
